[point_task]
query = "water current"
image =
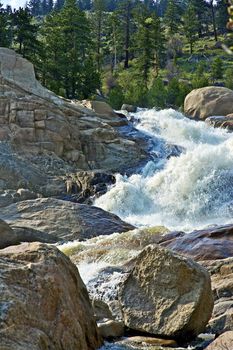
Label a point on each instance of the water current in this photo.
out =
(187, 184)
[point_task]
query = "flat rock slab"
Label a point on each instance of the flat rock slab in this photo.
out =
(209, 244)
(62, 219)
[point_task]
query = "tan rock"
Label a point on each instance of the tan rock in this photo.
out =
(41, 123)
(222, 285)
(223, 342)
(111, 329)
(44, 302)
(139, 340)
(102, 108)
(208, 101)
(62, 219)
(166, 295)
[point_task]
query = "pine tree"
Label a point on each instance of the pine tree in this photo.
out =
(221, 16)
(149, 43)
(125, 15)
(68, 65)
(5, 34)
(172, 16)
(190, 25)
(35, 7)
(59, 5)
(25, 33)
(97, 26)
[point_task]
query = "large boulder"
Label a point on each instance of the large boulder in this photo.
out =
(223, 342)
(44, 303)
(208, 101)
(166, 294)
(62, 220)
(36, 121)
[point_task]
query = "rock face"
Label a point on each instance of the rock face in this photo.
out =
(223, 342)
(86, 184)
(44, 303)
(62, 220)
(222, 285)
(35, 121)
(220, 122)
(208, 101)
(209, 244)
(166, 294)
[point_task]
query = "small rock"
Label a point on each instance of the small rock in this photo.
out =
(138, 340)
(129, 108)
(111, 329)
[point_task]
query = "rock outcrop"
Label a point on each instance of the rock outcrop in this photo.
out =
(35, 121)
(221, 272)
(209, 244)
(61, 220)
(166, 295)
(44, 303)
(223, 342)
(208, 101)
(221, 122)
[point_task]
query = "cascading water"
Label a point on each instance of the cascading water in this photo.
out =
(190, 190)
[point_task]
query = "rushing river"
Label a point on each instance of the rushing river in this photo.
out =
(189, 182)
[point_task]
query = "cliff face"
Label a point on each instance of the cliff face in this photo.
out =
(36, 121)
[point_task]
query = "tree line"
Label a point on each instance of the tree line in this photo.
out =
(80, 46)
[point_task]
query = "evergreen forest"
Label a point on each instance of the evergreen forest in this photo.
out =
(148, 53)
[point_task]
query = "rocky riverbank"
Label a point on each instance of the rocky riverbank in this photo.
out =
(144, 287)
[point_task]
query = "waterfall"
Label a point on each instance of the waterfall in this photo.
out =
(192, 188)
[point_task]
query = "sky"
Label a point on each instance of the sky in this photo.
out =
(13, 3)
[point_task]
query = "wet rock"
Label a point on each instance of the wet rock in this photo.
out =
(44, 303)
(111, 329)
(101, 310)
(220, 122)
(129, 108)
(64, 220)
(208, 244)
(7, 235)
(86, 184)
(148, 341)
(208, 101)
(166, 294)
(223, 342)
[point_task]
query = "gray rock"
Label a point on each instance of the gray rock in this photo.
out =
(166, 295)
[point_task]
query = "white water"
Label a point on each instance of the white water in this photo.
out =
(191, 190)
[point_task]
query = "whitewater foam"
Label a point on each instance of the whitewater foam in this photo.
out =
(187, 191)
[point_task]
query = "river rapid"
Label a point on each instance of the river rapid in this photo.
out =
(187, 184)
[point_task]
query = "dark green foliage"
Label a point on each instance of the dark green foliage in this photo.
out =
(157, 94)
(116, 97)
(68, 64)
(190, 25)
(172, 17)
(149, 39)
(25, 33)
(5, 28)
(229, 78)
(216, 69)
